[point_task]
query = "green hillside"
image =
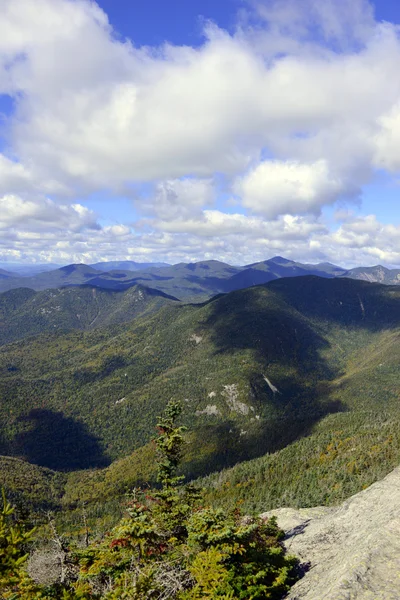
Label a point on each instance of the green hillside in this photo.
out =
(299, 374)
(24, 312)
(343, 453)
(110, 384)
(31, 487)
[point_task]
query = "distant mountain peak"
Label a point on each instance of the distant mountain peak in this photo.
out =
(279, 260)
(68, 269)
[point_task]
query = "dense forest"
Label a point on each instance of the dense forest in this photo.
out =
(289, 393)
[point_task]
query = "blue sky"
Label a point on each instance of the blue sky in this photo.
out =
(190, 130)
(178, 21)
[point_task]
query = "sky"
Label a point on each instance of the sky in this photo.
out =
(190, 130)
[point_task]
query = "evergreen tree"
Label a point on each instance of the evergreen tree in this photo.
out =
(167, 547)
(14, 582)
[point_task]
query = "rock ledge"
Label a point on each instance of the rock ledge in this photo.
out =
(353, 549)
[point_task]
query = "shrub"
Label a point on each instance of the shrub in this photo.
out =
(168, 546)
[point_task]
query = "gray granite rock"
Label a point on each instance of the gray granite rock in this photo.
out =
(353, 550)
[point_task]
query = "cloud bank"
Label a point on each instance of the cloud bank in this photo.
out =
(234, 149)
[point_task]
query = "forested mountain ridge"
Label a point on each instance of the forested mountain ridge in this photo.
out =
(289, 372)
(24, 312)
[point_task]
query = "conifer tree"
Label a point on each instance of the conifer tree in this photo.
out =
(13, 554)
(168, 547)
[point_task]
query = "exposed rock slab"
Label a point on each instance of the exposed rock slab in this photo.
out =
(353, 549)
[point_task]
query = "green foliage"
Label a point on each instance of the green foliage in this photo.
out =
(332, 428)
(333, 360)
(168, 546)
(25, 313)
(13, 555)
(238, 557)
(169, 445)
(30, 487)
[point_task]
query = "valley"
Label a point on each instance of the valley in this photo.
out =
(289, 392)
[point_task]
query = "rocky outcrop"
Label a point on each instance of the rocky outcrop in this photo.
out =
(353, 550)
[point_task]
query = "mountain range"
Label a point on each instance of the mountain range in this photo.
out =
(290, 392)
(287, 374)
(187, 281)
(27, 270)
(128, 265)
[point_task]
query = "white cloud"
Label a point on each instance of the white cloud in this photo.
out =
(214, 223)
(16, 178)
(95, 112)
(369, 235)
(296, 110)
(43, 215)
(387, 141)
(179, 198)
(275, 187)
(13, 176)
(337, 21)
(235, 238)
(119, 231)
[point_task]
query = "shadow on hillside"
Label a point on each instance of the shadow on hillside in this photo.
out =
(215, 285)
(280, 324)
(343, 301)
(285, 348)
(232, 444)
(3, 445)
(58, 442)
(254, 319)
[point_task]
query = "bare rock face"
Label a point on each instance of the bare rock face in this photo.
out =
(353, 550)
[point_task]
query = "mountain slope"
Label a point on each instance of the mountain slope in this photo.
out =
(282, 267)
(30, 487)
(299, 375)
(189, 281)
(190, 352)
(69, 275)
(6, 274)
(345, 451)
(24, 312)
(126, 265)
(377, 274)
(27, 270)
(223, 359)
(201, 280)
(186, 281)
